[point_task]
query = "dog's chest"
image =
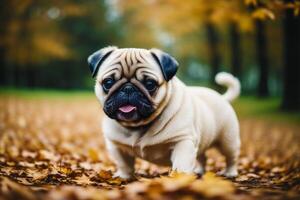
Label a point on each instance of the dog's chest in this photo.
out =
(159, 153)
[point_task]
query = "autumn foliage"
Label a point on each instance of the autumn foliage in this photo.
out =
(53, 149)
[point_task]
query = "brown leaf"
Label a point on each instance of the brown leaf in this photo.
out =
(14, 190)
(48, 155)
(105, 174)
(83, 180)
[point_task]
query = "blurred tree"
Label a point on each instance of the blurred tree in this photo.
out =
(4, 19)
(46, 43)
(28, 40)
(46, 39)
(236, 57)
(215, 57)
(291, 91)
(262, 59)
(138, 29)
(261, 13)
(87, 23)
(291, 68)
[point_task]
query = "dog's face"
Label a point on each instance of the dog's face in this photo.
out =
(133, 85)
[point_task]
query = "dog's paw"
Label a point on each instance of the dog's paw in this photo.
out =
(229, 173)
(199, 170)
(123, 175)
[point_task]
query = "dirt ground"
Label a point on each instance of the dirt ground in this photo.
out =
(53, 149)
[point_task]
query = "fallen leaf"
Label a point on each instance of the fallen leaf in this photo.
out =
(212, 186)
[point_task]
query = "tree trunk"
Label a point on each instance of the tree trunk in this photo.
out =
(213, 41)
(3, 74)
(235, 50)
(291, 70)
(262, 58)
(4, 18)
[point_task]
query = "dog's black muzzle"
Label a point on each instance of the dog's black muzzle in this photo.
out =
(128, 95)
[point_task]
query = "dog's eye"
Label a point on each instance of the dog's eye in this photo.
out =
(150, 85)
(107, 84)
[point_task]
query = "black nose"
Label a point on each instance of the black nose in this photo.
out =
(128, 88)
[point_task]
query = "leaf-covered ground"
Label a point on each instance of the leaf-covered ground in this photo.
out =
(53, 149)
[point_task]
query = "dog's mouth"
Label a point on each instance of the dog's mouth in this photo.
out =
(128, 104)
(127, 108)
(127, 113)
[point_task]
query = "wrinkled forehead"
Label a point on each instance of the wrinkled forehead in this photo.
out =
(130, 62)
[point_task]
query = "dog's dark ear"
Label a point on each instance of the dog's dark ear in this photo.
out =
(167, 63)
(96, 59)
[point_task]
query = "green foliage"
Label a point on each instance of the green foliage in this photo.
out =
(46, 43)
(64, 95)
(267, 109)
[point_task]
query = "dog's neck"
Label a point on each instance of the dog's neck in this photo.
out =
(172, 107)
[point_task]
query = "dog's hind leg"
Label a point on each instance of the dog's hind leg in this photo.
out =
(229, 145)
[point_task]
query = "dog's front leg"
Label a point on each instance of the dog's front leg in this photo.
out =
(184, 156)
(124, 162)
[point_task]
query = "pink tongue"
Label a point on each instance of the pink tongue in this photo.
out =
(127, 108)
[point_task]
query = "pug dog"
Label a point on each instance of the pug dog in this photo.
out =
(151, 114)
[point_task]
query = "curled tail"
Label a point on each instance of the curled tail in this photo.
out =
(232, 83)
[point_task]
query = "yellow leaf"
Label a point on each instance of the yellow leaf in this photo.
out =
(212, 186)
(296, 11)
(263, 14)
(93, 155)
(116, 181)
(51, 46)
(246, 24)
(177, 180)
(74, 10)
(64, 170)
(251, 2)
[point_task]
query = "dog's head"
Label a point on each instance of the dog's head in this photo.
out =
(132, 84)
